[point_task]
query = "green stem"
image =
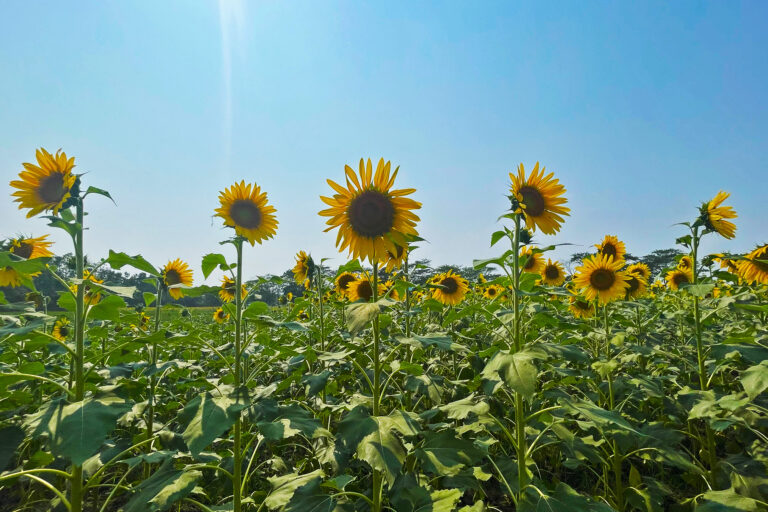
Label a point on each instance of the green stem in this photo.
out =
(522, 472)
(152, 379)
(377, 476)
(407, 299)
(237, 488)
(76, 478)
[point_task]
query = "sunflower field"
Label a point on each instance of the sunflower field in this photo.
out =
(608, 389)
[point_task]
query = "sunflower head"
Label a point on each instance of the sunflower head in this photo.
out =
(176, 272)
(36, 298)
(227, 290)
(389, 288)
(552, 273)
(712, 215)
(304, 268)
(91, 294)
(530, 261)
(452, 288)
(638, 286)
(754, 267)
(245, 208)
(395, 259)
(678, 277)
(726, 263)
(30, 248)
(220, 316)
(581, 307)
(685, 263)
(372, 218)
(493, 291)
(343, 281)
(640, 270)
(539, 198)
(362, 290)
(613, 247)
(61, 329)
(481, 278)
(46, 186)
(601, 277)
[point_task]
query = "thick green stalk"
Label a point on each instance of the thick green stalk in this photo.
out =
(319, 286)
(237, 489)
(703, 381)
(153, 378)
(616, 458)
(76, 493)
(407, 299)
(377, 476)
(522, 449)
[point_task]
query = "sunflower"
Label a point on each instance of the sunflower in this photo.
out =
(677, 277)
(601, 276)
(640, 270)
(361, 290)
(289, 297)
(612, 246)
(481, 278)
(143, 320)
(493, 291)
(531, 262)
(61, 329)
(304, 267)
(685, 263)
(638, 286)
(395, 258)
(220, 316)
(389, 288)
(581, 307)
(729, 264)
(540, 199)
(245, 208)
(372, 218)
(754, 266)
(91, 297)
(713, 216)
(227, 290)
(343, 281)
(454, 288)
(46, 186)
(302, 315)
(176, 272)
(553, 273)
(26, 248)
(36, 298)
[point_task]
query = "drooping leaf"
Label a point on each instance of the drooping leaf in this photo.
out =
(206, 417)
(755, 379)
(165, 487)
(284, 487)
(444, 454)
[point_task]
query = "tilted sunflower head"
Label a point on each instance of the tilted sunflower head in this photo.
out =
(396, 258)
(640, 270)
(638, 286)
(600, 277)
(372, 218)
(176, 272)
(754, 267)
(581, 307)
(726, 263)
(712, 215)
(531, 261)
(613, 247)
(245, 208)
(685, 263)
(678, 277)
(304, 268)
(539, 198)
(220, 316)
(343, 281)
(552, 273)
(493, 291)
(61, 329)
(47, 186)
(227, 290)
(91, 293)
(26, 248)
(362, 290)
(451, 290)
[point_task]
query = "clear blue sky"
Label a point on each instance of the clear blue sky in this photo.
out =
(642, 109)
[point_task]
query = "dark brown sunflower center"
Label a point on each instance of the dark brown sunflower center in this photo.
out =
(23, 250)
(51, 188)
(364, 290)
(345, 280)
(450, 284)
(608, 250)
(492, 291)
(371, 214)
(245, 214)
(172, 277)
(529, 263)
(602, 279)
(551, 272)
(634, 284)
(582, 305)
(398, 252)
(759, 260)
(533, 201)
(63, 331)
(680, 278)
(221, 314)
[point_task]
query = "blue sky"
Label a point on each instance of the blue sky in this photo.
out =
(642, 109)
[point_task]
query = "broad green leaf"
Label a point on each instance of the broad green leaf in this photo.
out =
(118, 260)
(727, 501)
(284, 487)
(460, 409)
(439, 340)
(165, 487)
(206, 417)
(755, 379)
(255, 309)
(516, 370)
(359, 315)
(598, 415)
(107, 309)
(561, 498)
(10, 439)
(407, 495)
(698, 290)
(76, 430)
(311, 497)
(213, 260)
(445, 455)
